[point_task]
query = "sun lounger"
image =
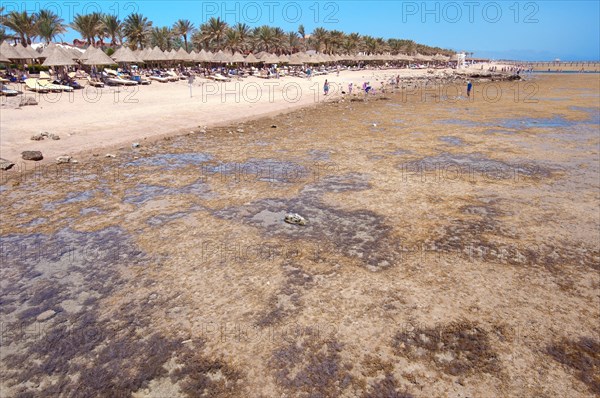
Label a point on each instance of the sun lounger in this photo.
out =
(34, 85)
(218, 78)
(54, 87)
(172, 76)
(159, 79)
(7, 91)
(94, 82)
(44, 76)
(117, 81)
(141, 80)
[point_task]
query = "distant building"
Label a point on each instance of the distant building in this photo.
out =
(461, 59)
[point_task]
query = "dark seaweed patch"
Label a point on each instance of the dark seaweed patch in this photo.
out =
(311, 367)
(203, 377)
(361, 234)
(296, 281)
(457, 349)
(386, 388)
(582, 356)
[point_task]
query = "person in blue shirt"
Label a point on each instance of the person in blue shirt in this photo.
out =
(469, 88)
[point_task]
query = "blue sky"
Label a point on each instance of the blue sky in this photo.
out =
(540, 30)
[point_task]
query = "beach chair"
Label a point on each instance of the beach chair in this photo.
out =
(94, 82)
(54, 87)
(172, 76)
(34, 85)
(159, 79)
(7, 91)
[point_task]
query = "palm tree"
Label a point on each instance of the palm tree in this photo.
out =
(184, 27)
(279, 40)
(136, 28)
(336, 39)
(162, 37)
(352, 43)
(265, 38)
(4, 35)
(319, 38)
(244, 34)
(213, 32)
(49, 25)
(292, 42)
(302, 32)
(23, 24)
(87, 25)
(233, 41)
(111, 25)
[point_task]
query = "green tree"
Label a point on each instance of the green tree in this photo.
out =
(136, 29)
(49, 25)
(23, 24)
(183, 27)
(112, 26)
(87, 25)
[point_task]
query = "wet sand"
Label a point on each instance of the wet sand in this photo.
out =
(451, 250)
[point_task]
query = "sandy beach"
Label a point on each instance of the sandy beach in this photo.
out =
(95, 120)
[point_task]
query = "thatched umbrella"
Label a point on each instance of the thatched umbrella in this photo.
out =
(270, 59)
(237, 58)
(50, 48)
(260, 55)
(59, 58)
(221, 58)
(284, 59)
(125, 55)
(251, 59)
(9, 51)
(184, 56)
(155, 55)
(295, 59)
(27, 52)
(141, 54)
(3, 59)
(98, 57)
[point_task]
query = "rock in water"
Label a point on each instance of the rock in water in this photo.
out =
(6, 164)
(44, 316)
(293, 218)
(32, 155)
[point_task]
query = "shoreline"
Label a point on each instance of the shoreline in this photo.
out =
(82, 140)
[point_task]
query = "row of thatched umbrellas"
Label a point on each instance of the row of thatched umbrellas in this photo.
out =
(55, 55)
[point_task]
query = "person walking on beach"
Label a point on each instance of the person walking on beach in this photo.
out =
(350, 86)
(326, 87)
(469, 88)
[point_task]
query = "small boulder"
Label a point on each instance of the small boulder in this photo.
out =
(37, 137)
(110, 155)
(44, 316)
(135, 145)
(45, 134)
(63, 159)
(54, 137)
(24, 101)
(6, 164)
(293, 218)
(32, 155)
